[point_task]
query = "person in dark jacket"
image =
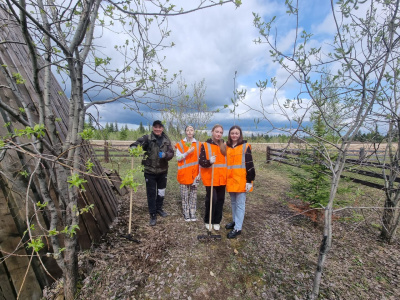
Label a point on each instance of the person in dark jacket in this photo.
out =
(158, 151)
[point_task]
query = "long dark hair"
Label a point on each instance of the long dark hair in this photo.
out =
(240, 140)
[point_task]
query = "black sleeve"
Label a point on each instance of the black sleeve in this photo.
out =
(169, 154)
(203, 161)
(143, 141)
(250, 171)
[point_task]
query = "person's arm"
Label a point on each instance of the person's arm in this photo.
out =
(250, 171)
(181, 156)
(169, 154)
(143, 141)
(203, 161)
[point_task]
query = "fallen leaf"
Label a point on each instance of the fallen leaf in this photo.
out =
(236, 252)
(212, 274)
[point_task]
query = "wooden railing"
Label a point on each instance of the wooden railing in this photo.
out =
(356, 162)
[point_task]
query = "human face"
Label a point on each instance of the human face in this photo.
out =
(234, 135)
(217, 133)
(158, 129)
(189, 132)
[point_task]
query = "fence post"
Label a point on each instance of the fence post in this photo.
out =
(268, 154)
(362, 154)
(106, 158)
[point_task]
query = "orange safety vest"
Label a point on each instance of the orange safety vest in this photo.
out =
(236, 169)
(219, 166)
(188, 168)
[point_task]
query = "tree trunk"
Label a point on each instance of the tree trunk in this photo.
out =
(326, 244)
(70, 274)
(389, 223)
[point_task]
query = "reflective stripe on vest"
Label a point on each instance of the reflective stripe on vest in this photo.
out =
(185, 165)
(215, 165)
(236, 170)
(188, 168)
(243, 165)
(220, 170)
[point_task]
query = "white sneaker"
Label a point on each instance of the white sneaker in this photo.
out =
(187, 220)
(193, 219)
(207, 226)
(216, 227)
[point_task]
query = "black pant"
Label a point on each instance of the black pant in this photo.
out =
(155, 183)
(217, 204)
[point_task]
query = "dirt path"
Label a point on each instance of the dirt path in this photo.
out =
(274, 258)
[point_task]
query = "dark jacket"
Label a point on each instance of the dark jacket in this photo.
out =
(152, 144)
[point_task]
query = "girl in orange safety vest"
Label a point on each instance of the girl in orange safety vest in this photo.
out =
(187, 154)
(213, 151)
(240, 177)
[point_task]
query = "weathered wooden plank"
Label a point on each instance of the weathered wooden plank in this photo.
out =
(116, 182)
(7, 290)
(16, 57)
(111, 206)
(18, 263)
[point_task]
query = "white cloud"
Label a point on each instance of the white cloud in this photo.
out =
(213, 44)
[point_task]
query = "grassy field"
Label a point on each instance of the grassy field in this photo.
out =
(274, 258)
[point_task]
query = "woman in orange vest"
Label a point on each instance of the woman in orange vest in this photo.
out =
(187, 154)
(240, 177)
(213, 152)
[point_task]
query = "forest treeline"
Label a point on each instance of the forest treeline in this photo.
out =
(116, 131)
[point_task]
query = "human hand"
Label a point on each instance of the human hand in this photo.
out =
(191, 149)
(212, 159)
(196, 181)
(248, 187)
(161, 154)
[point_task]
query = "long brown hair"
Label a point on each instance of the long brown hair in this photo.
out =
(240, 140)
(222, 146)
(216, 126)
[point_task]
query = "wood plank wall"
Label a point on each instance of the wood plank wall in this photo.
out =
(12, 202)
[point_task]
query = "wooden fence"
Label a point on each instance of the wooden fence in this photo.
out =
(356, 162)
(15, 267)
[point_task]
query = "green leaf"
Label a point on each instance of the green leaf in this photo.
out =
(18, 78)
(136, 152)
(76, 181)
(87, 134)
(89, 166)
(36, 244)
(40, 205)
(53, 232)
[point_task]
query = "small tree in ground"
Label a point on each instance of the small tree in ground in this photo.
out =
(313, 185)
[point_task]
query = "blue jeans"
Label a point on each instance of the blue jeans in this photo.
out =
(238, 201)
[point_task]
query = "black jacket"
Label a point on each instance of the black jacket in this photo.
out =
(152, 144)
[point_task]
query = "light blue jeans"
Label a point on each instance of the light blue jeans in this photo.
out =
(238, 202)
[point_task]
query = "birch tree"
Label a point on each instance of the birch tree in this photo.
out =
(67, 36)
(356, 61)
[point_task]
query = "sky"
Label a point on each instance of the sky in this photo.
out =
(212, 44)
